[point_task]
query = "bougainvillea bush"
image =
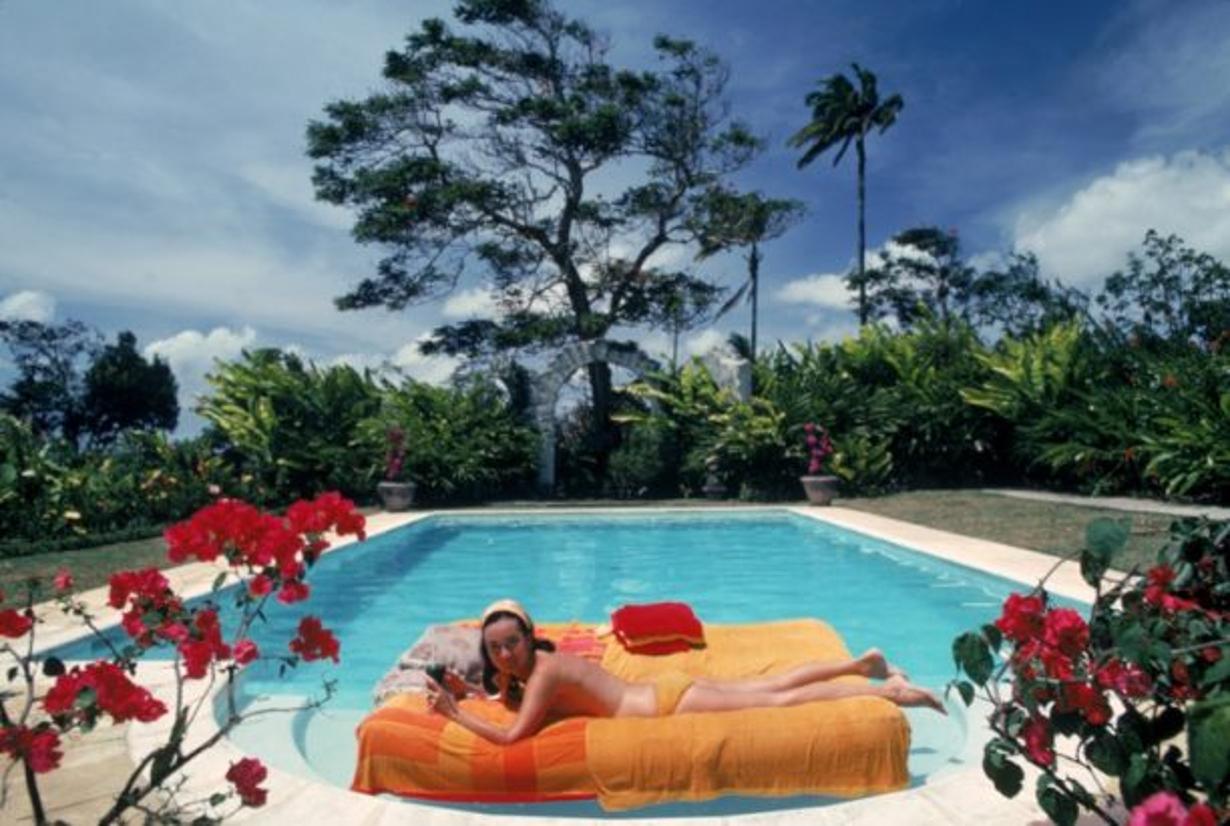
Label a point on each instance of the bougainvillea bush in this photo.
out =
(269, 555)
(1127, 710)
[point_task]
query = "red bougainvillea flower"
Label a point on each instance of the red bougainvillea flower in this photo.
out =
(1036, 735)
(63, 580)
(1066, 631)
(314, 641)
(246, 651)
(1125, 678)
(39, 747)
(1201, 815)
(1159, 579)
(14, 624)
(332, 512)
(1022, 618)
(293, 591)
(1088, 701)
(114, 694)
(260, 585)
(246, 776)
(204, 644)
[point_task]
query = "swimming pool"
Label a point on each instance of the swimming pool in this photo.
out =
(378, 596)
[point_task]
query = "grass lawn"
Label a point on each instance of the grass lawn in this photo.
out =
(1042, 526)
(90, 566)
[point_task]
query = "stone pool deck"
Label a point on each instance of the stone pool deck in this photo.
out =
(97, 764)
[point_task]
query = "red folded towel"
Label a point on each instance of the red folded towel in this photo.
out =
(657, 628)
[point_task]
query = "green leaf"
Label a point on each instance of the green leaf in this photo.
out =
(1131, 642)
(1103, 539)
(1169, 723)
(972, 655)
(994, 636)
(85, 698)
(1067, 722)
(1107, 536)
(53, 667)
(1006, 775)
(1135, 784)
(1208, 740)
(1059, 807)
(218, 581)
(966, 690)
(1218, 672)
(1107, 755)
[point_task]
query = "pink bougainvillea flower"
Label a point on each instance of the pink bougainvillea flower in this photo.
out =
(63, 580)
(1160, 809)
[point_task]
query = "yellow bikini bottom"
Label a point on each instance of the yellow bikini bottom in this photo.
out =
(668, 689)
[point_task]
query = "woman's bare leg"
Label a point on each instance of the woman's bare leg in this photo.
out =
(870, 664)
(703, 696)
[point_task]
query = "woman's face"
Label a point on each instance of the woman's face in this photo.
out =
(508, 646)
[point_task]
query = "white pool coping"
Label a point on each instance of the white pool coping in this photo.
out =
(959, 796)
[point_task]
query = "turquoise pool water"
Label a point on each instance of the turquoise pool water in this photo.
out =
(378, 596)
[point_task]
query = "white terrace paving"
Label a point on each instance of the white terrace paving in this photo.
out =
(98, 763)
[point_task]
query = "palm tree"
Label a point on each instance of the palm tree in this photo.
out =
(840, 113)
(745, 221)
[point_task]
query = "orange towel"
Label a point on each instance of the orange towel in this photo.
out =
(847, 747)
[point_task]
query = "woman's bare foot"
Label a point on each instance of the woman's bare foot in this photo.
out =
(905, 694)
(875, 665)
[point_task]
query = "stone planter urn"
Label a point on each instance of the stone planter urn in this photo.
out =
(396, 496)
(820, 490)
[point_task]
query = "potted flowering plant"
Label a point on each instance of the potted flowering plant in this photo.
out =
(396, 492)
(819, 487)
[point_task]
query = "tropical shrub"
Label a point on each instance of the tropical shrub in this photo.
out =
(266, 555)
(743, 442)
(460, 443)
(1113, 695)
(51, 493)
(292, 426)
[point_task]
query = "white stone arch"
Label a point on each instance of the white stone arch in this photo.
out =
(545, 387)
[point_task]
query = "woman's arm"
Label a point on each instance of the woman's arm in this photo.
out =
(534, 706)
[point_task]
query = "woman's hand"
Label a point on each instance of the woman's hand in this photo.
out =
(441, 700)
(454, 683)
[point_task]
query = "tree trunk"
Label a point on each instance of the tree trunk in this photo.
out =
(601, 431)
(862, 233)
(753, 265)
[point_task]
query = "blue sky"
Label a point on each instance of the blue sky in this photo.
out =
(153, 177)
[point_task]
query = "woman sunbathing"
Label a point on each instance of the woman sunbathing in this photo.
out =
(535, 681)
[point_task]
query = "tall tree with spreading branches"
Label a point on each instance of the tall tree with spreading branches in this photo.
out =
(491, 157)
(841, 114)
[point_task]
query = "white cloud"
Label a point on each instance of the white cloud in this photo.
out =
(290, 185)
(1088, 237)
(28, 305)
(823, 290)
(703, 342)
(191, 354)
(824, 327)
(431, 369)
(475, 303)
